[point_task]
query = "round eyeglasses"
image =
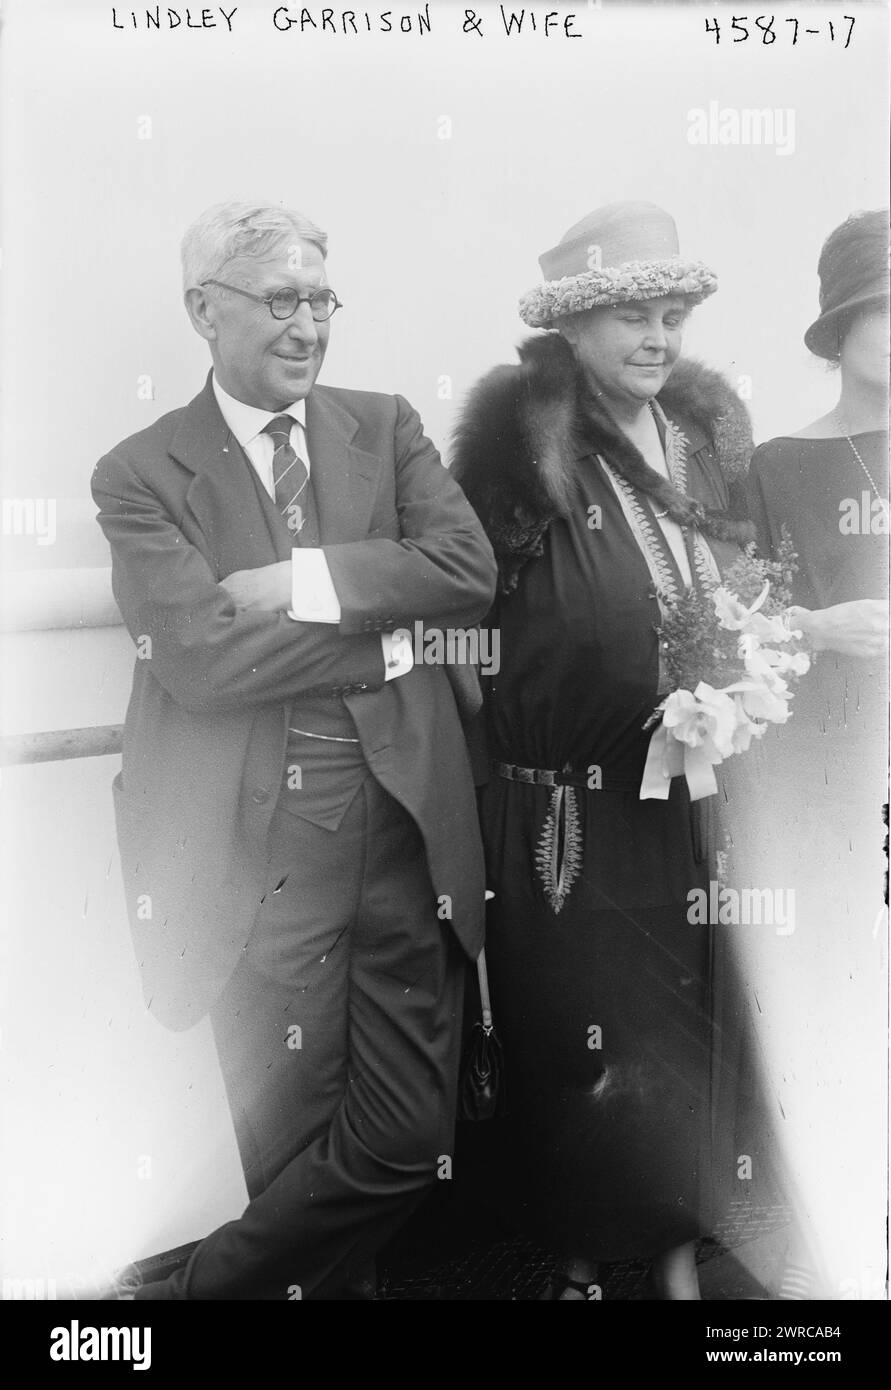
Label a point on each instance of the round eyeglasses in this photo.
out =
(284, 303)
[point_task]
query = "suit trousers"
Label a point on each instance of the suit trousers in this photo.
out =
(338, 1038)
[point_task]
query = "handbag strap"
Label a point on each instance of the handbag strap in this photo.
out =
(485, 1001)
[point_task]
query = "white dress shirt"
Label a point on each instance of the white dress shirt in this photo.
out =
(313, 595)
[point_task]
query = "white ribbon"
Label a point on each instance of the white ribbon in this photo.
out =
(668, 757)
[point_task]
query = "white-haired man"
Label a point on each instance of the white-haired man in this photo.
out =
(295, 808)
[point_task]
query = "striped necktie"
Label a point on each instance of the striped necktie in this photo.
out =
(289, 474)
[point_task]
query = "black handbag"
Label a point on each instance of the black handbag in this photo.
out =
(481, 1094)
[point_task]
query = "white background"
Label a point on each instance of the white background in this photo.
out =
(432, 241)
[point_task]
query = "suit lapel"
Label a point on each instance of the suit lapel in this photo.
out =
(223, 496)
(344, 478)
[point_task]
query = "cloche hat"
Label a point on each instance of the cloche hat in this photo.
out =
(853, 271)
(620, 252)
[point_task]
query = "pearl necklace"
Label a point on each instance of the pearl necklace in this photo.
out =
(854, 450)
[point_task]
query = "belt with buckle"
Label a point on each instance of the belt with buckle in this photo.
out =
(537, 776)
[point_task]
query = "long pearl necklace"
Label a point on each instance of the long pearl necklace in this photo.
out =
(854, 450)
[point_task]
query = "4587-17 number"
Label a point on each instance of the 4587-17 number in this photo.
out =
(740, 28)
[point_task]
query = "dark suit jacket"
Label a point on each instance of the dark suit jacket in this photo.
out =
(204, 740)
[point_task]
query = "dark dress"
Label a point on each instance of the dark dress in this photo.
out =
(814, 824)
(802, 484)
(603, 1006)
(835, 742)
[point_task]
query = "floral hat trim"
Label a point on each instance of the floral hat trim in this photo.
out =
(616, 285)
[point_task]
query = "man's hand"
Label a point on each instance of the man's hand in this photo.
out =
(267, 588)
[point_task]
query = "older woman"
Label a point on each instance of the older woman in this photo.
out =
(608, 476)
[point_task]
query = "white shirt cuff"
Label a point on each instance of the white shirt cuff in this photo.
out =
(313, 596)
(399, 655)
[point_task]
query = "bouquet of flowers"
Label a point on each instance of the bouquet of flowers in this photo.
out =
(731, 659)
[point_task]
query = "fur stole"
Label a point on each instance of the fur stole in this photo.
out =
(524, 428)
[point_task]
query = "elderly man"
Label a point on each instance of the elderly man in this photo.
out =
(295, 809)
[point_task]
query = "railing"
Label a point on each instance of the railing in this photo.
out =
(53, 600)
(61, 744)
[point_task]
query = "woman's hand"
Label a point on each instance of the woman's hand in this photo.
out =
(859, 628)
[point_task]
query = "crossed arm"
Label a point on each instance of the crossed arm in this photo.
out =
(220, 645)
